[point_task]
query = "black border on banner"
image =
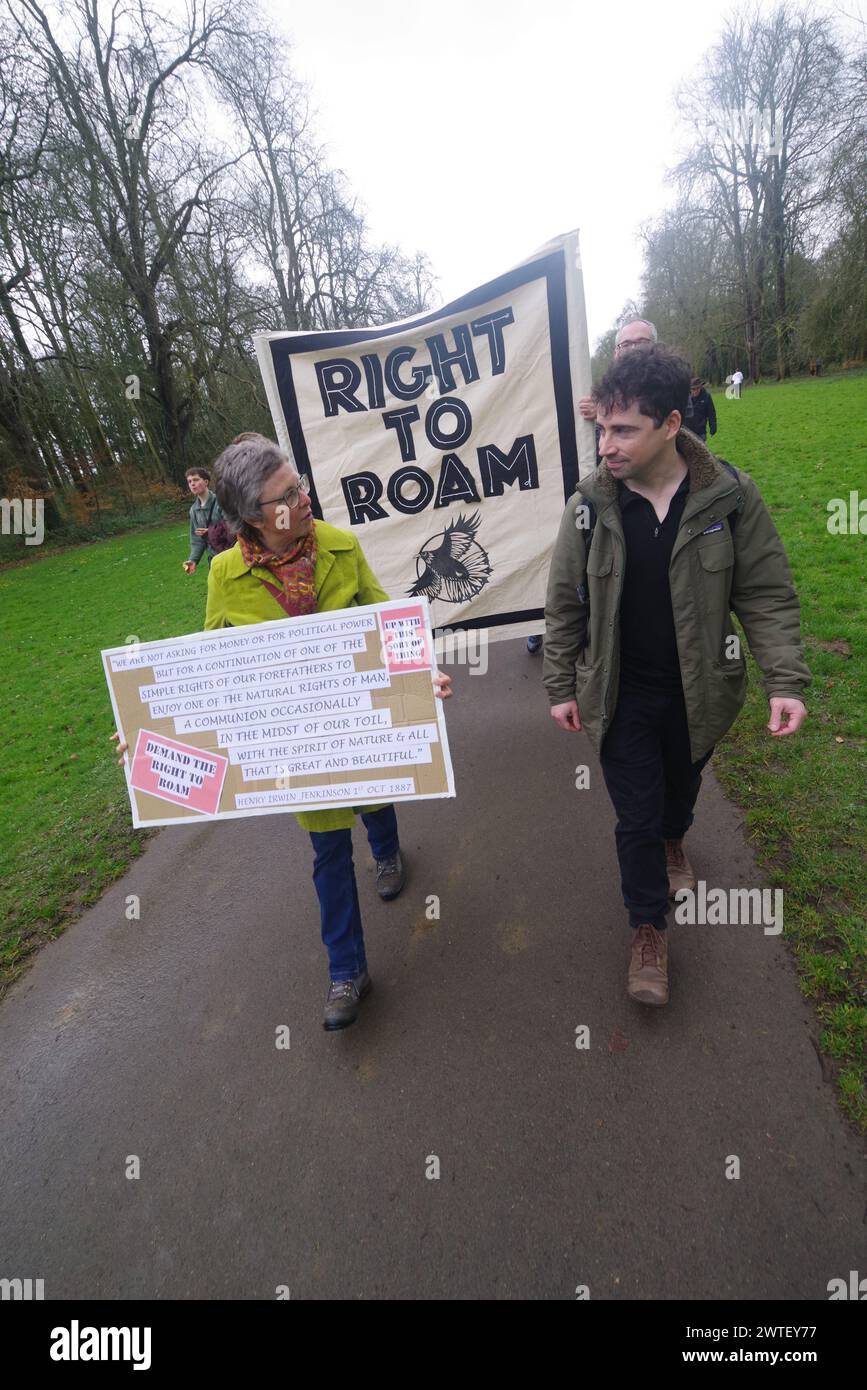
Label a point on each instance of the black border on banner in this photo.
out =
(552, 269)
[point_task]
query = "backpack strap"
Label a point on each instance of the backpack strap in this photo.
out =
(207, 514)
(733, 516)
(584, 588)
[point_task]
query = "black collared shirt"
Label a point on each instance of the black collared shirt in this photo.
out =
(648, 644)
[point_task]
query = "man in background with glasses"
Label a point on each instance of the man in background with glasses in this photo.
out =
(637, 333)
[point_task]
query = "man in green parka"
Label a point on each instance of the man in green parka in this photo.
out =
(657, 548)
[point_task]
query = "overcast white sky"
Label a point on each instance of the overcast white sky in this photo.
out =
(476, 132)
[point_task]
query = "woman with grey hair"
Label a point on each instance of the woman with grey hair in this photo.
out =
(287, 562)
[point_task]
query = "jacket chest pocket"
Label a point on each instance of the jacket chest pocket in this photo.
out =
(716, 567)
(600, 578)
(599, 563)
(717, 557)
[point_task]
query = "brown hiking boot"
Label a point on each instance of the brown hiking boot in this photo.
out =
(648, 966)
(680, 871)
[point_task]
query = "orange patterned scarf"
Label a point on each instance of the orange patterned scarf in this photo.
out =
(293, 570)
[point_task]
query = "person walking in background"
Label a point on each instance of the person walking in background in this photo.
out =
(700, 410)
(204, 512)
(737, 378)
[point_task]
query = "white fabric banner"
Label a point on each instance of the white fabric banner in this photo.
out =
(449, 442)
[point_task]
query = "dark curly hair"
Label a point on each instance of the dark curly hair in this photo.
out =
(654, 379)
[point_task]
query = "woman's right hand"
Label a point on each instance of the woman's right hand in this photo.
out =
(121, 748)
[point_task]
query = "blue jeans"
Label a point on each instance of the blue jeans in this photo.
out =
(334, 877)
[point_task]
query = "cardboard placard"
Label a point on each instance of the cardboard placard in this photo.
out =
(299, 714)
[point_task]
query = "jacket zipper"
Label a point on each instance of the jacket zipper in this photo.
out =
(618, 574)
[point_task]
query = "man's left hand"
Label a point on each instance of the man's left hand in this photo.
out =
(442, 686)
(784, 708)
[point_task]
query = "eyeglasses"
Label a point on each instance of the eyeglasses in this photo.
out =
(633, 342)
(292, 496)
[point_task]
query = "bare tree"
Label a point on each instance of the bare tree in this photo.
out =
(121, 93)
(25, 111)
(771, 107)
(308, 230)
(143, 241)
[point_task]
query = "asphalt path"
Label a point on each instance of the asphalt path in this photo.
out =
(312, 1169)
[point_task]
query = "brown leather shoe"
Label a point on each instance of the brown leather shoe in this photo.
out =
(648, 966)
(680, 871)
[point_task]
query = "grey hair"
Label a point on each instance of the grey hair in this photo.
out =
(242, 469)
(638, 319)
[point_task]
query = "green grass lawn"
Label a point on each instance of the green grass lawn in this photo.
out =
(804, 443)
(65, 828)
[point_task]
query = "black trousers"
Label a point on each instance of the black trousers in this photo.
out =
(653, 784)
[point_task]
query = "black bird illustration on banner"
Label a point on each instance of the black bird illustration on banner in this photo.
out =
(451, 565)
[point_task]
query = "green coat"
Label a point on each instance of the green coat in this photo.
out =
(207, 515)
(711, 576)
(343, 580)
